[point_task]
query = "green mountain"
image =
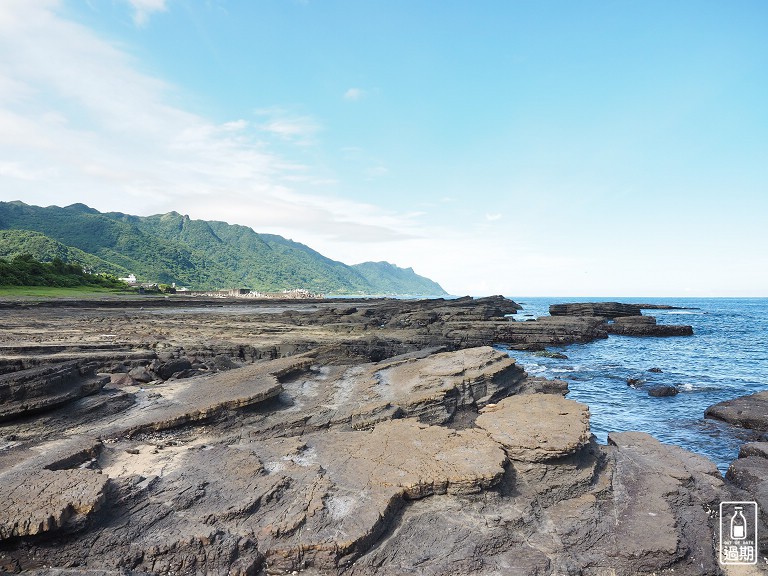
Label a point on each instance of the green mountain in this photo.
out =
(390, 278)
(195, 253)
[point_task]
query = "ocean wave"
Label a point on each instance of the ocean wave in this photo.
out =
(565, 369)
(682, 313)
(533, 368)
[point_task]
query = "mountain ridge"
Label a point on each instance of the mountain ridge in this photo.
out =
(199, 254)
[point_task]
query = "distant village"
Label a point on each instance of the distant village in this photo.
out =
(293, 294)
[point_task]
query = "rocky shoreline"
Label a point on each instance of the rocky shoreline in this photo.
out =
(352, 437)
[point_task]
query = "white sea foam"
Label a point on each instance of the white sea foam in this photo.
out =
(535, 368)
(683, 313)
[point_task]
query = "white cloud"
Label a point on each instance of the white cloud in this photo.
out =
(354, 94)
(296, 128)
(377, 171)
(493, 217)
(15, 170)
(142, 9)
(79, 123)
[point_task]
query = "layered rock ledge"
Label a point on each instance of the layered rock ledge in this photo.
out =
(328, 438)
(622, 319)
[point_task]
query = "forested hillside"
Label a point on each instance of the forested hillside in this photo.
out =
(24, 270)
(194, 253)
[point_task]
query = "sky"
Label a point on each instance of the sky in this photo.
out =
(555, 148)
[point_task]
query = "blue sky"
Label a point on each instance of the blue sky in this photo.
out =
(525, 148)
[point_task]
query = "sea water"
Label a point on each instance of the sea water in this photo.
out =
(726, 357)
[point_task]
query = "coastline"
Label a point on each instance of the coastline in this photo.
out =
(158, 397)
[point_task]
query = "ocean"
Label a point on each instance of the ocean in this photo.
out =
(726, 357)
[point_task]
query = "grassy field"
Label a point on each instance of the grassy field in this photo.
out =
(52, 292)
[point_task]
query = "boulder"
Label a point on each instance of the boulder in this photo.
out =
(759, 449)
(224, 362)
(663, 391)
(141, 374)
(118, 379)
(746, 411)
(171, 367)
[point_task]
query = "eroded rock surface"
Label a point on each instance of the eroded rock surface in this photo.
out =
(537, 427)
(338, 438)
(46, 500)
(43, 388)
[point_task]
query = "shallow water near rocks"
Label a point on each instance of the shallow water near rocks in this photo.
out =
(726, 357)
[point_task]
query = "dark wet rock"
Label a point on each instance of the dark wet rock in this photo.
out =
(224, 362)
(635, 382)
(655, 370)
(627, 319)
(663, 391)
(665, 307)
(746, 411)
(601, 309)
(550, 354)
(646, 326)
(167, 369)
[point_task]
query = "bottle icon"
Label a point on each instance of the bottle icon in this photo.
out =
(738, 525)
